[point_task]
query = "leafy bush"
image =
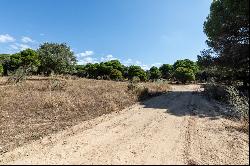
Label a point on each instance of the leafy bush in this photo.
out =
(186, 63)
(231, 96)
(154, 73)
(137, 71)
(135, 79)
(184, 74)
(166, 71)
(116, 74)
(1, 69)
(18, 76)
(56, 58)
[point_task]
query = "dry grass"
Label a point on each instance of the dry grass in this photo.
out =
(41, 105)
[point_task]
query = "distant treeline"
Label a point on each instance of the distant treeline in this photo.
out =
(226, 60)
(58, 59)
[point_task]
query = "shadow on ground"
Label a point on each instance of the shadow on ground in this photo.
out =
(187, 103)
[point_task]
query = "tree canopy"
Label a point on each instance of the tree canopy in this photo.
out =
(154, 73)
(137, 71)
(227, 29)
(56, 58)
(184, 75)
(166, 71)
(186, 63)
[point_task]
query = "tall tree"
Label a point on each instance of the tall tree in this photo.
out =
(186, 63)
(56, 58)
(29, 59)
(166, 71)
(184, 74)
(154, 73)
(227, 29)
(137, 71)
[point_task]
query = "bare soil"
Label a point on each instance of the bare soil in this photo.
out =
(180, 127)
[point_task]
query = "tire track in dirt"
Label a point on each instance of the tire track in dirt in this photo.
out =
(180, 127)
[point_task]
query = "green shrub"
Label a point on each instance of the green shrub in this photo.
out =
(135, 79)
(184, 74)
(231, 96)
(166, 71)
(154, 73)
(1, 69)
(116, 74)
(137, 71)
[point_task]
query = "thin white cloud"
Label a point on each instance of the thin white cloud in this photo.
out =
(86, 60)
(85, 54)
(26, 39)
(13, 46)
(6, 38)
(128, 62)
(156, 64)
(18, 46)
(108, 57)
(138, 63)
(41, 34)
(145, 67)
(23, 46)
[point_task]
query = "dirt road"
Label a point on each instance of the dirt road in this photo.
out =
(180, 127)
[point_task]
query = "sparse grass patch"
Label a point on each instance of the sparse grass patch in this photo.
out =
(40, 106)
(148, 89)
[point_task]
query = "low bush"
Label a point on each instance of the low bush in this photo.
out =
(146, 90)
(231, 96)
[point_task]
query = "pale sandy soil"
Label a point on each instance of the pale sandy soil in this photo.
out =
(180, 127)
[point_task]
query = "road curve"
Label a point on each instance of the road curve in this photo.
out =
(180, 127)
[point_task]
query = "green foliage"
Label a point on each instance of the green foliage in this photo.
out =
(1, 69)
(137, 71)
(92, 70)
(116, 74)
(166, 71)
(56, 58)
(15, 61)
(205, 60)
(19, 75)
(186, 63)
(104, 69)
(115, 64)
(154, 73)
(28, 59)
(231, 96)
(184, 74)
(80, 71)
(125, 71)
(227, 29)
(135, 79)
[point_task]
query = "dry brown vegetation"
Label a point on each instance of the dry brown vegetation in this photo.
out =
(40, 106)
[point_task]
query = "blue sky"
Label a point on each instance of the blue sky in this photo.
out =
(142, 32)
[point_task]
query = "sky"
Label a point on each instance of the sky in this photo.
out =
(136, 32)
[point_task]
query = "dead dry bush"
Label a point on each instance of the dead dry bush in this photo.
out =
(148, 89)
(40, 106)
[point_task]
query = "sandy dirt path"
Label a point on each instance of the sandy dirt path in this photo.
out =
(180, 127)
